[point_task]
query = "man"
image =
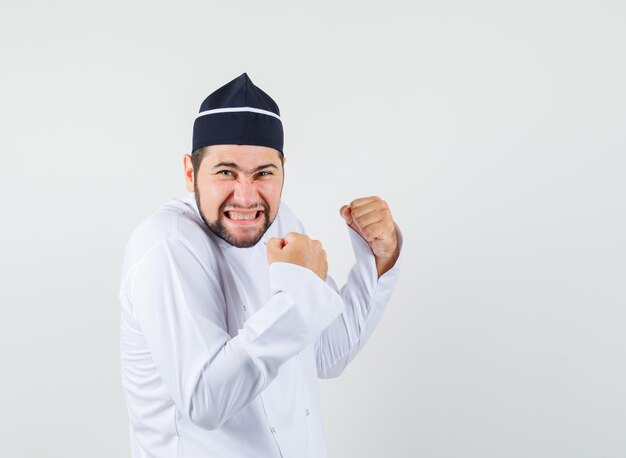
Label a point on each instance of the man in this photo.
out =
(228, 315)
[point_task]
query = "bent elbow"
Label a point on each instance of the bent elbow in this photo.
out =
(331, 367)
(202, 409)
(330, 372)
(206, 415)
(206, 420)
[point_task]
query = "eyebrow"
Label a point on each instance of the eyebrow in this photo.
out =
(232, 165)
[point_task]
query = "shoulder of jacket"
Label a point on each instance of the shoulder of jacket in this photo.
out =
(173, 222)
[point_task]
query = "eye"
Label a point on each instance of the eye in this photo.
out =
(227, 173)
(264, 174)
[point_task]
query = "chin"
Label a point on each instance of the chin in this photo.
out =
(239, 237)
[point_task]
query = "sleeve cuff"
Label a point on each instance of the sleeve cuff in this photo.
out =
(317, 299)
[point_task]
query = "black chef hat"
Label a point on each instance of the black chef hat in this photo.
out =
(238, 113)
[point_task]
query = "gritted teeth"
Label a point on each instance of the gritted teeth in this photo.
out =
(245, 216)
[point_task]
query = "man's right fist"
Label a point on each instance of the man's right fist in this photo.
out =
(299, 249)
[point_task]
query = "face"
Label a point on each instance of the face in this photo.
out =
(237, 189)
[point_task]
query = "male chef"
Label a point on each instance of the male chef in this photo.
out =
(228, 315)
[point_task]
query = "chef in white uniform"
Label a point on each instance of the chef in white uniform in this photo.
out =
(228, 315)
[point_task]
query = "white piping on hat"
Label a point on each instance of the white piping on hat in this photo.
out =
(234, 109)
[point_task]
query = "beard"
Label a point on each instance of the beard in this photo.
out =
(219, 228)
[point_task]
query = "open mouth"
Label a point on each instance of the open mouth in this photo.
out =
(243, 217)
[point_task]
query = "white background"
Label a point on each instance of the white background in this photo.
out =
(495, 130)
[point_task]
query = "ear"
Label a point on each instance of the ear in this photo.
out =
(188, 165)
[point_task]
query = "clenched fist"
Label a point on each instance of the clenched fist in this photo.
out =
(299, 249)
(371, 218)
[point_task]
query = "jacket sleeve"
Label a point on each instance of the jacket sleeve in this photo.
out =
(178, 301)
(365, 298)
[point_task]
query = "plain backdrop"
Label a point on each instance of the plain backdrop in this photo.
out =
(495, 131)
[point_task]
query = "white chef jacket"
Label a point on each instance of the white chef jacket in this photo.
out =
(220, 351)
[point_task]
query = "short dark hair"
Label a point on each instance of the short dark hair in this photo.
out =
(196, 159)
(198, 154)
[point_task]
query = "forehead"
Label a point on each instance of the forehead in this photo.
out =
(242, 155)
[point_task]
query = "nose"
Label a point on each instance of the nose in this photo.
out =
(245, 193)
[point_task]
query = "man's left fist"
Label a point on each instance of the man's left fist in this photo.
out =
(371, 218)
